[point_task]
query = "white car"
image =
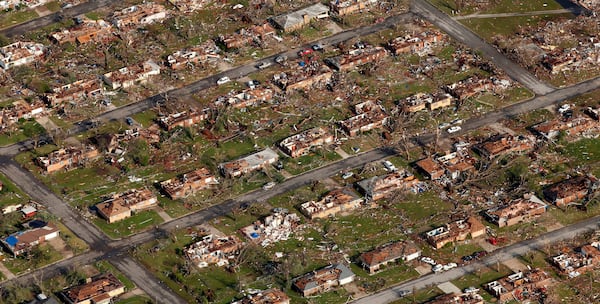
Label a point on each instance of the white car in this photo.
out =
(454, 129)
(389, 166)
(347, 175)
(264, 65)
(564, 108)
(268, 185)
(443, 125)
(428, 260)
(223, 80)
(457, 122)
(437, 268)
(450, 266)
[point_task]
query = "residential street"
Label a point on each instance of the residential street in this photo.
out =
(503, 254)
(66, 14)
(464, 35)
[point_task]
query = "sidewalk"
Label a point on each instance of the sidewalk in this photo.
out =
(9, 275)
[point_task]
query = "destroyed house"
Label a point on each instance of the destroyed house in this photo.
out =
(454, 232)
(20, 110)
(356, 57)
(247, 98)
(579, 261)
(301, 143)
(22, 241)
(120, 206)
(196, 54)
(295, 20)
(84, 32)
(453, 298)
(67, 158)
(365, 122)
(571, 190)
(430, 168)
(20, 53)
(244, 37)
(323, 279)
(112, 143)
(271, 296)
(273, 228)
(503, 144)
(188, 6)
(139, 15)
(419, 43)
(250, 163)
(346, 7)
(422, 101)
(335, 201)
(213, 251)
(389, 253)
(560, 60)
(184, 119)
(573, 127)
(75, 92)
(188, 183)
(378, 187)
(99, 289)
(516, 211)
(469, 87)
(128, 76)
(313, 74)
(520, 286)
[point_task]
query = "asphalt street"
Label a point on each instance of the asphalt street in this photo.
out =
(553, 98)
(65, 14)
(461, 33)
(500, 255)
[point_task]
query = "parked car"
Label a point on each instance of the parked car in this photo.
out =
(263, 65)
(305, 52)
(443, 125)
(467, 258)
(457, 122)
(129, 121)
(454, 129)
(437, 268)
(480, 254)
(347, 175)
(268, 185)
(404, 293)
(223, 80)
(317, 47)
(471, 289)
(389, 166)
(428, 260)
(281, 59)
(450, 266)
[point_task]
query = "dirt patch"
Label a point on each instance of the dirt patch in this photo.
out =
(354, 291)
(59, 245)
(423, 269)
(554, 226)
(515, 265)
(333, 27)
(448, 287)
(486, 245)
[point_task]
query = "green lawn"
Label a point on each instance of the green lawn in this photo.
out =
(421, 296)
(501, 6)
(41, 255)
(15, 17)
(10, 193)
(138, 222)
(26, 129)
(313, 160)
(482, 276)
(489, 27)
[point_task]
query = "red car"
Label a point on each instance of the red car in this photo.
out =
(305, 52)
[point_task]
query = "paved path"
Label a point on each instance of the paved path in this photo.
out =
(459, 32)
(503, 254)
(7, 274)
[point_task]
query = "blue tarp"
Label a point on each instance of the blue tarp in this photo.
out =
(11, 240)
